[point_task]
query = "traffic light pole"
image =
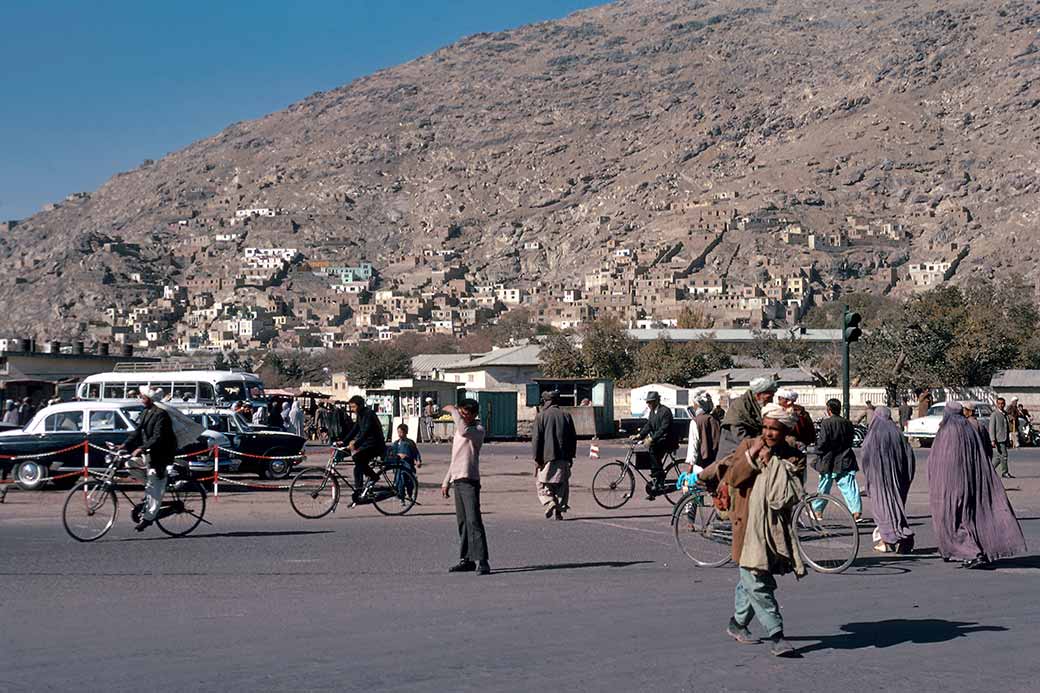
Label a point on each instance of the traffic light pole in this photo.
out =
(845, 397)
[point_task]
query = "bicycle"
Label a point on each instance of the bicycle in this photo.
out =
(614, 483)
(90, 508)
(314, 493)
(828, 537)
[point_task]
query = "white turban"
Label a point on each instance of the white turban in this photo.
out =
(778, 413)
(787, 393)
(146, 391)
(763, 384)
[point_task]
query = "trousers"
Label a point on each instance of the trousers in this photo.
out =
(848, 487)
(362, 469)
(472, 539)
(154, 488)
(755, 597)
(1000, 457)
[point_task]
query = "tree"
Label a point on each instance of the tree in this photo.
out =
(663, 361)
(514, 326)
(607, 350)
(694, 319)
(774, 352)
(219, 362)
(371, 364)
(561, 358)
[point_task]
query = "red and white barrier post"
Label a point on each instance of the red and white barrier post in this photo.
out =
(86, 458)
(216, 472)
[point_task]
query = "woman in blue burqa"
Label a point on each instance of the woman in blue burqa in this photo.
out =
(887, 462)
(973, 519)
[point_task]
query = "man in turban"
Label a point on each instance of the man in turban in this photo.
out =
(764, 478)
(744, 418)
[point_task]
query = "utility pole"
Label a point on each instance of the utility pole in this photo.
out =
(850, 332)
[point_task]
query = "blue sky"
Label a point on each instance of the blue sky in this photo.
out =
(89, 88)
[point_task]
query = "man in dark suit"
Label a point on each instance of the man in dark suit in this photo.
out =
(659, 438)
(835, 461)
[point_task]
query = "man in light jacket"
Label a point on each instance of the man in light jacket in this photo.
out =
(554, 443)
(1000, 436)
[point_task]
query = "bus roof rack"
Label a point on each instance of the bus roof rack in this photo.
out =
(168, 367)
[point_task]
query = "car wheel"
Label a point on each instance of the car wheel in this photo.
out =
(277, 469)
(31, 475)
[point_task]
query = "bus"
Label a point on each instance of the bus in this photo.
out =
(216, 388)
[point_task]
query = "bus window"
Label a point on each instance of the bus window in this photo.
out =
(92, 391)
(231, 391)
(114, 391)
(133, 390)
(184, 392)
(205, 392)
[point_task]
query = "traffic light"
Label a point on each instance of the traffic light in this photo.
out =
(852, 332)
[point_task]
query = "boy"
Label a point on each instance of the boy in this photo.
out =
(464, 474)
(405, 452)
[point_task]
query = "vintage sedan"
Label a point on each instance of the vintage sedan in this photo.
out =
(924, 428)
(62, 428)
(251, 445)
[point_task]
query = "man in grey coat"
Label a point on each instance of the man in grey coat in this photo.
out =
(1000, 435)
(554, 443)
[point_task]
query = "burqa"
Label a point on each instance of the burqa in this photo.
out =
(887, 462)
(971, 513)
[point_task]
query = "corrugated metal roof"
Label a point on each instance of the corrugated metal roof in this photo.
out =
(735, 335)
(746, 375)
(427, 363)
(1015, 378)
(526, 355)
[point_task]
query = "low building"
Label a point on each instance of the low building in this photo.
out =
(42, 375)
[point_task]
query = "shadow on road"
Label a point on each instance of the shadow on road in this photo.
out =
(242, 534)
(620, 517)
(570, 566)
(890, 564)
(1016, 562)
(893, 632)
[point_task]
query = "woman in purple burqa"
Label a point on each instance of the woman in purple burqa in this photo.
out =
(887, 462)
(972, 517)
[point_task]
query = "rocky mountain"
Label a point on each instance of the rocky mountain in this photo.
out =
(613, 124)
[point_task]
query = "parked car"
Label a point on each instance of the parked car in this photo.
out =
(924, 428)
(245, 438)
(67, 425)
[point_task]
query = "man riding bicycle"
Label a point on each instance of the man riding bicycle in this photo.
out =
(155, 438)
(366, 442)
(659, 438)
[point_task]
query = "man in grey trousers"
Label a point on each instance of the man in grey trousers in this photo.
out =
(1000, 434)
(464, 475)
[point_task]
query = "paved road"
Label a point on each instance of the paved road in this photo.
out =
(264, 600)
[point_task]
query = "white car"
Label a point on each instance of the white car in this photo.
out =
(924, 428)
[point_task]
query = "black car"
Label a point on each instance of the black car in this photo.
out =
(56, 434)
(246, 440)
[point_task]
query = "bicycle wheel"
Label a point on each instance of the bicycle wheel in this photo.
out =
(90, 510)
(313, 493)
(701, 535)
(183, 507)
(395, 492)
(612, 485)
(827, 534)
(671, 479)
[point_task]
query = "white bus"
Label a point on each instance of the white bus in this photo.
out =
(217, 388)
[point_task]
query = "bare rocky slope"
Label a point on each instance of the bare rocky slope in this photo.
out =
(609, 124)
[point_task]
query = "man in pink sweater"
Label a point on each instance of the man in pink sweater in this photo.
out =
(464, 475)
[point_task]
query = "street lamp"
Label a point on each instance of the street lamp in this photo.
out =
(850, 332)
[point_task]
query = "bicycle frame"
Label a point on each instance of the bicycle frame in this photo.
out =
(669, 459)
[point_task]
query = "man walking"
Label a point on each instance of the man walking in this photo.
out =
(905, 413)
(464, 475)
(429, 414)
(1000, 436)
(659, 439)
(836, 462)
(554, 442)
(764, 475)
(744, 418)
(924, 402)
(1013, 416)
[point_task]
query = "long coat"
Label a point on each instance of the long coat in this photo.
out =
(554, 436)
(735, 471)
